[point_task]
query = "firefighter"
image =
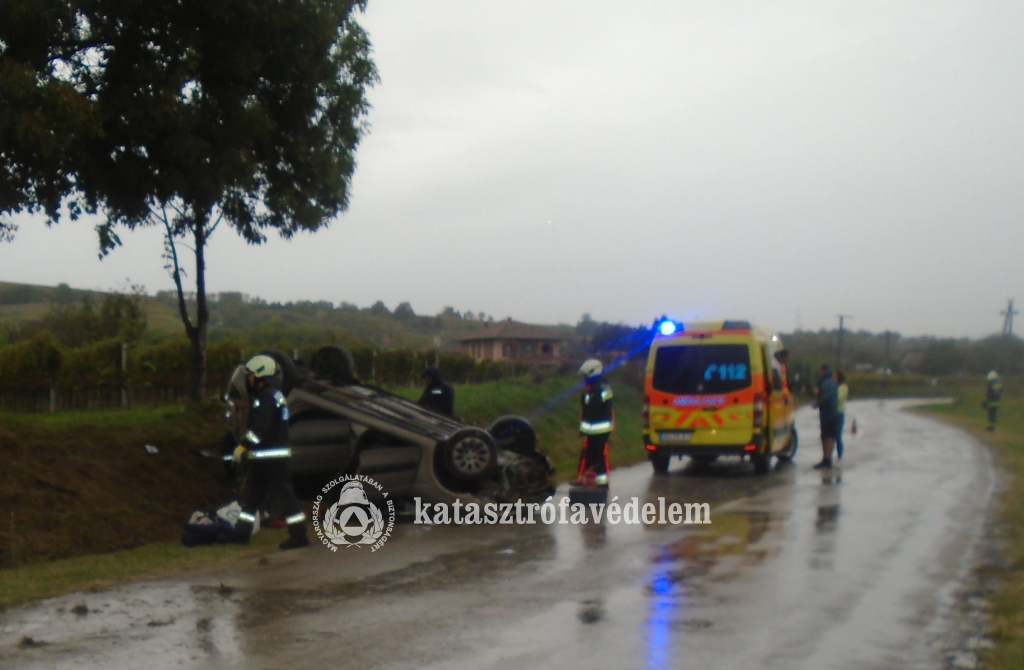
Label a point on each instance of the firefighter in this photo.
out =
(438, 396)
(596, 423)
(993, 392)
(265, 449)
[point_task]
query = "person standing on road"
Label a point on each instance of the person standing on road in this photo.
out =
(597, 420)
(842, 394)
(993, 393)
(265, 448)
(828, 399)
(438, 396)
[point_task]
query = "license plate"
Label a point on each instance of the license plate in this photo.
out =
(675, 436)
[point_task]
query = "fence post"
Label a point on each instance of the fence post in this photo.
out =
(53, 398)
(124, 375)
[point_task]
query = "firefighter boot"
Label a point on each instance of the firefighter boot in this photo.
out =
(297, 537)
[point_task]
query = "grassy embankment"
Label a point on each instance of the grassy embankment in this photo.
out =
(557, 429)
(1008, 445)
(88, 507)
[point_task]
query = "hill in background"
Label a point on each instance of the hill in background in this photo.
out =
(255, 321)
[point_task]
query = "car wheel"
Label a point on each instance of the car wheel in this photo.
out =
(514, 433)
(333, 363)
(660, 462)
(470, 454)
(286, 366)
(789, 452)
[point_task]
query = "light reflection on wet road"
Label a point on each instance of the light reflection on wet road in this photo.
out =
(851, 568)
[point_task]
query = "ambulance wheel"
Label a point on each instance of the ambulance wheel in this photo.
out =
(762, 462)
(660, 462)
(789, 452)
(470, 454)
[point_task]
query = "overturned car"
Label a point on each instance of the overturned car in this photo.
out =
(339, 426)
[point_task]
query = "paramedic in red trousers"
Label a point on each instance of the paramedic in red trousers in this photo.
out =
(596, 422)
(265, 448)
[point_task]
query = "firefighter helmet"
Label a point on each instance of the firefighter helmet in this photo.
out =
(261, 366)
(591, 368)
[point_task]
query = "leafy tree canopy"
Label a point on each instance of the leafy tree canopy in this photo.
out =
(251, 108)
(181, 113)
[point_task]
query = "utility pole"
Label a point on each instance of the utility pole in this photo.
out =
(839, 347)
(885, 367)
(1008, 320)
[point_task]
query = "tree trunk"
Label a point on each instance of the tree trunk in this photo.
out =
(197, 334)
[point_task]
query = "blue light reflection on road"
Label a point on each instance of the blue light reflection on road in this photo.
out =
(664, 606)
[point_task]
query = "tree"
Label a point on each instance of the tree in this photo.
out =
(587, 327)
(404, 311)
(182, 114)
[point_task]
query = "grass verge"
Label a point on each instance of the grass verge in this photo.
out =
(93, 572)
(1007, 443)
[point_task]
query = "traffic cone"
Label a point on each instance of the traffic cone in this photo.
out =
(853, 427)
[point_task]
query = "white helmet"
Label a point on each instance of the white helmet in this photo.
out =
(992, 376)
(261, 366)
(591, 368)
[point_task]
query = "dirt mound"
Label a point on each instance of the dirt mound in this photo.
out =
(82, 488)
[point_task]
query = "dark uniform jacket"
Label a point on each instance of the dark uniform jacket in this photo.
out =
(266, 433)
(993, 392)
(597, 417)
(828, 397)
(438, 397)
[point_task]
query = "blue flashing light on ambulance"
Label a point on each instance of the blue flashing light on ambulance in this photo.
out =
(715, 389)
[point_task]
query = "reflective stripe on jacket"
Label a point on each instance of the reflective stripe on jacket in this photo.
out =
(267, 425)
(596, 416)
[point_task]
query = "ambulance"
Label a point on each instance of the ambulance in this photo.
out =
(714, 389)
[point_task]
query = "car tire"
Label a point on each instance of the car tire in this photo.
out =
(515, 434)
(334, 364)
(660, 462)
(286, 366)
(789, 452)
(470, 454)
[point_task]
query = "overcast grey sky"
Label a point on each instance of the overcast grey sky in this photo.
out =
(762, 160)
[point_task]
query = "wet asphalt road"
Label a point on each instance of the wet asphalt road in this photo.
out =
(857, 567)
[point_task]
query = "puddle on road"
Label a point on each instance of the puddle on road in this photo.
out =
(733, 535)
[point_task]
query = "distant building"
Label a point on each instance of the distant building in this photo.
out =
(510, 340)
